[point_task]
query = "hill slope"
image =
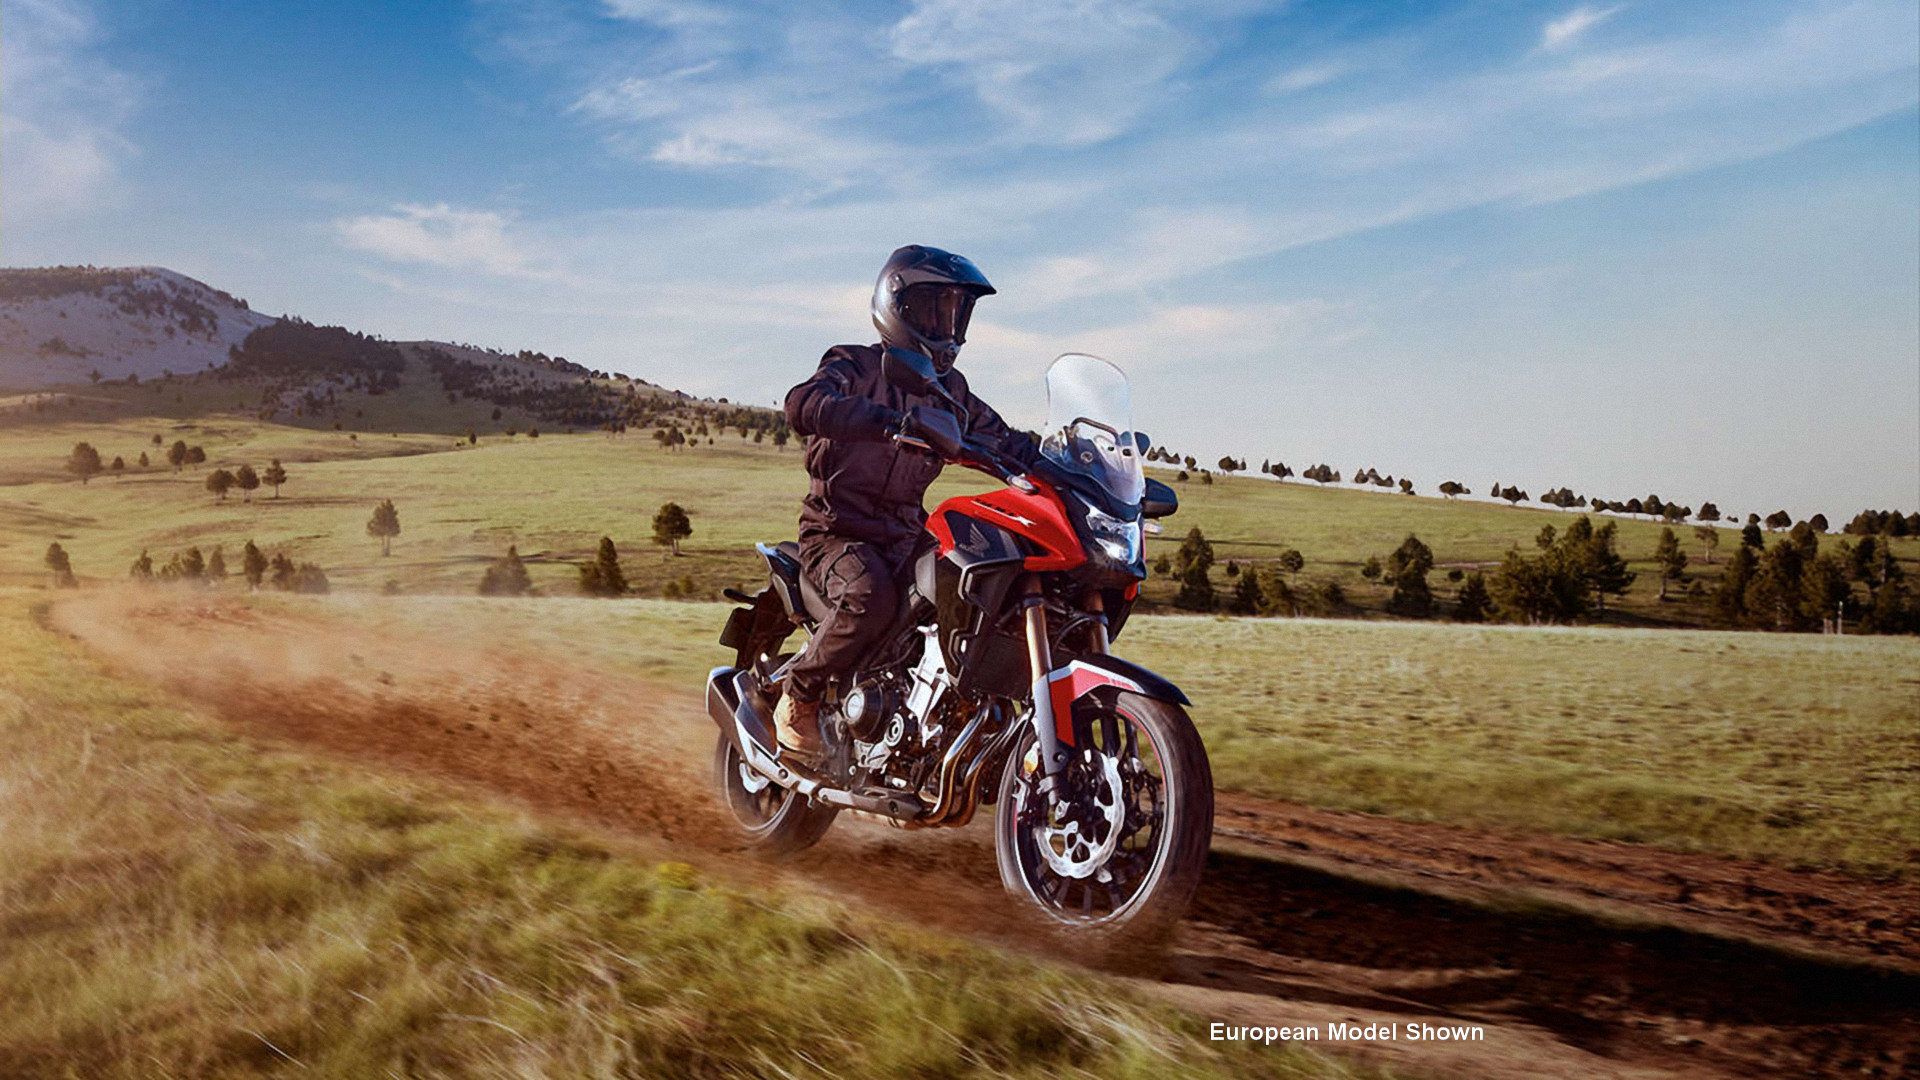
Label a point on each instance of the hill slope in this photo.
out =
(87, 343)
(59, 325)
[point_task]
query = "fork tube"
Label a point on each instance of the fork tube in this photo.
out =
(1097, 606)
(1040, 660)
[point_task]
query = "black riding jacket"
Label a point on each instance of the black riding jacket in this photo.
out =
(862, 484)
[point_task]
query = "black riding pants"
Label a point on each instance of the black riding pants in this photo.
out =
(862, 582)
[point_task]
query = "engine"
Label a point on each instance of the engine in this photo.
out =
(895, 721)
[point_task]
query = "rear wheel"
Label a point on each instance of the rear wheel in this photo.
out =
(1122, 857)
(776, 821)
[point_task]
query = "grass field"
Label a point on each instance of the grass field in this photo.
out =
(1795, 748)
(557, 495)
(177, 901)
(1798, 749)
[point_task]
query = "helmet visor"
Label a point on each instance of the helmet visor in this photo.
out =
(938, 312)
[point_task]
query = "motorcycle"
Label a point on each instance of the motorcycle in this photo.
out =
(996, 683)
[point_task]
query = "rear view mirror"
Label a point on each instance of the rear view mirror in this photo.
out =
(909, 370)
(1159, 500)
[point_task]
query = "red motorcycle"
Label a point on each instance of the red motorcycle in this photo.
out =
(997, 683)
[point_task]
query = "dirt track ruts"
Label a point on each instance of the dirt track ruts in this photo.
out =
(1579, 957)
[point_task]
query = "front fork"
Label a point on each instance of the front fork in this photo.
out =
(1048, 728)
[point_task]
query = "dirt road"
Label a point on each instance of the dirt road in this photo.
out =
(1578, 958)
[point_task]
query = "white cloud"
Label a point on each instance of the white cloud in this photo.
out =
(708, 91)
(1302, 173)
(1567, 29)
(1059, 72)
(1308, 76)
(668, 13)
(63, 113)
(440, 235)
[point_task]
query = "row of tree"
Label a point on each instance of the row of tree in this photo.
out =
(193, 567)
(1867, 522)
(221, 481)
(1572, 573)
(602, 576)
(85, 461)
(1793, 585)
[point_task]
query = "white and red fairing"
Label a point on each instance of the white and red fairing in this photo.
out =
(1079, 678)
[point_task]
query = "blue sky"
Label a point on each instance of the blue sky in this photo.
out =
(1629, 246)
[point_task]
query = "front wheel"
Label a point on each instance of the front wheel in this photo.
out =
(776, 821)
(1121, 853)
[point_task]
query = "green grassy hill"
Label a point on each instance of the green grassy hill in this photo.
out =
(247, 908)
(556, 495)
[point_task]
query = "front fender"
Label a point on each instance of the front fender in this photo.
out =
(1095, 679)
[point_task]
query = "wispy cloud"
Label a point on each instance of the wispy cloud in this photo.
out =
(1058, 72)
(1529, 131)
(63, 113)
(442, 236)
(1109, 194)
(1308, 76)
(1569, 28)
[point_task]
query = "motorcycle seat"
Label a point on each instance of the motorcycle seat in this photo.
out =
(797, 590)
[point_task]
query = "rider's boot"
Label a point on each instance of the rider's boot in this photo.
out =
(797, 725)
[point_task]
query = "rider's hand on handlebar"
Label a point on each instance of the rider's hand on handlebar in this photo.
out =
(935, 427)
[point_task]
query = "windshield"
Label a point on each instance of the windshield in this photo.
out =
(1090, 425)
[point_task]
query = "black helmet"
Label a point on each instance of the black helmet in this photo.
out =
(923, 300)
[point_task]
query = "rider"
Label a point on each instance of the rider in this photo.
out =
(861, 520)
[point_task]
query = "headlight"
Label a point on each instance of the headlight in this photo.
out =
(1118, 538)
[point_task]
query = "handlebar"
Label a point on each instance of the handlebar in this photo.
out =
(977, 455)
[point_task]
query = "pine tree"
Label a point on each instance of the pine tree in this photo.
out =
(217, 565)
(1194, 550)
(1607, 572)
(84, 462)
(1407, 570)
(1276, 593)
(1671, 560)
(1471, 603)
(506, 577)
(144, 463)
(603, 577)
(309, 578)
(253, 565)
(670, 526)
(1824, 590)
(283, 572)
(1773, 596)
(1751, 536)
(1246, 599)
(142, 567)
(274, 477)
(60, 566)
(1730, 599)
(1196, 589)
(1709, 538)
(384, 524)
